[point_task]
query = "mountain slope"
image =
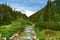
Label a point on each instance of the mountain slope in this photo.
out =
(7, 15)
(46, 17)
(47, 12)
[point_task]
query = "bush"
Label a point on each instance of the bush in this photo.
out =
(17, 25)
(48, 25)
(40, 36)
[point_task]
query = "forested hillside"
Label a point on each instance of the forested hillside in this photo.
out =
(48, 17)
(43, 13)
(7, 15)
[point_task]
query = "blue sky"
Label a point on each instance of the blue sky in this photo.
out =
(27, 7)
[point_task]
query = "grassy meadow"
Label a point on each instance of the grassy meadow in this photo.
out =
(18, 25)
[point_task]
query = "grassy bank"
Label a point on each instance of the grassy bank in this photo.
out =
(18, 25)
(47, 34)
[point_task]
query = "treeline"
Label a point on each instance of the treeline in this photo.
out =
(47, 18)
(7, 15)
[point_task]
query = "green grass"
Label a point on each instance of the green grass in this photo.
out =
(40, 36)
(18, 25)
(43, 34)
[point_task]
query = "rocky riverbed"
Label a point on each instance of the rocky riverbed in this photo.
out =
(27, 34)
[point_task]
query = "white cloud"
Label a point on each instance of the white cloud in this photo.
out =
(24, 10)
(29, 12)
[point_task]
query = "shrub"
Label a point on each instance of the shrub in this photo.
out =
(17, 25)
